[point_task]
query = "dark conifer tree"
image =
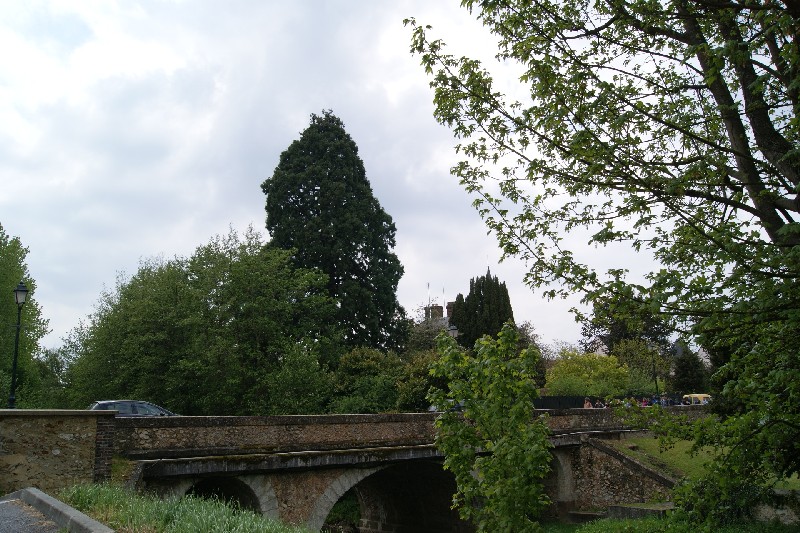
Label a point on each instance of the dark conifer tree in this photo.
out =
(320, 203)
(485, 309)
(689, 373)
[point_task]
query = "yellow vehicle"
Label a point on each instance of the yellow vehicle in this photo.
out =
(696, 399)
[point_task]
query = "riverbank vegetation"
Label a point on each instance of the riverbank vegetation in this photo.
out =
(667, 525)
(128, 512)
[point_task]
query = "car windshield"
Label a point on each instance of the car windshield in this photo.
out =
(143, 408)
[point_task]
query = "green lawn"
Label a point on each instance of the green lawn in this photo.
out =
(677, 462)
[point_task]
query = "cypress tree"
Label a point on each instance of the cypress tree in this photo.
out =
(483, 311)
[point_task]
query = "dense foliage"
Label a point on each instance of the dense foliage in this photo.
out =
(497, 450)
(484, 311)
(670, 128)
(587, 374)
(648, 366)
(366, 382)
(608, 329)
(234, 329)
(320, 203)
(31, 370)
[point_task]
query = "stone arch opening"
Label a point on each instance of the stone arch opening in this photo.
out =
(345, 515)
(226, 489)
(333, 493)
(408, 497)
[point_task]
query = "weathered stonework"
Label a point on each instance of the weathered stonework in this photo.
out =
(54, 449)
(188, 436)
(582, 420)
(605, 476)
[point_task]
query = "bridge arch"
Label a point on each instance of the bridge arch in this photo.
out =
(333, 493)
(229, 490)
(411, 496)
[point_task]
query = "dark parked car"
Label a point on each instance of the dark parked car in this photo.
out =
(131, 408)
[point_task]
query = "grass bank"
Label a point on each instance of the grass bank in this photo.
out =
(655, 525)
(128, 512)
(678, 461)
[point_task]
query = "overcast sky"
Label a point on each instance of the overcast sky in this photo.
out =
(135, 129)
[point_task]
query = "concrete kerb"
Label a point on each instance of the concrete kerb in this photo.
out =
(62, 514)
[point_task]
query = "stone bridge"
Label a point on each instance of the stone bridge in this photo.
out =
(296, 468)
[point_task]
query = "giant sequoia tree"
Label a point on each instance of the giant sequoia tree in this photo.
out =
(320, 204)
(484, 311)
(669, 126)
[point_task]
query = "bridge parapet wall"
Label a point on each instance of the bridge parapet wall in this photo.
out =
(575, 420)
(188, 436)
(191, 436)
(590, 420)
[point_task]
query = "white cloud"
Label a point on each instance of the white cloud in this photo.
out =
(132, 130)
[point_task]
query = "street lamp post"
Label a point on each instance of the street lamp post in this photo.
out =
(655, 374)
(20, 293)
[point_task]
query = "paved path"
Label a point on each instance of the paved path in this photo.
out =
(32, 511)
(17, 516)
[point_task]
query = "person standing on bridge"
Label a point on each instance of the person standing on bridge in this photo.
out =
(587, 403)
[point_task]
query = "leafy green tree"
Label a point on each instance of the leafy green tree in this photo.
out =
(366, 381)
(495, 446)
(648, 366)
(610, 328)
(485, 309)
(49, 391)
(669, 127)
(300, 385)
(33, 327)
(587, 374)
(420, 352)
(416, 381)
(530, 340)
(205, 334)
(320, 204)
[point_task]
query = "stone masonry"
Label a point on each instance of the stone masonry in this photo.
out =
(187, 436)
(53, 449)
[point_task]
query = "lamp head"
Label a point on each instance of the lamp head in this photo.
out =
(20, 293)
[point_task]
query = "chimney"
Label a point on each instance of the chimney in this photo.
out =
(433, 312)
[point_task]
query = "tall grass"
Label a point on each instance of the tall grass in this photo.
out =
(129, 512)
